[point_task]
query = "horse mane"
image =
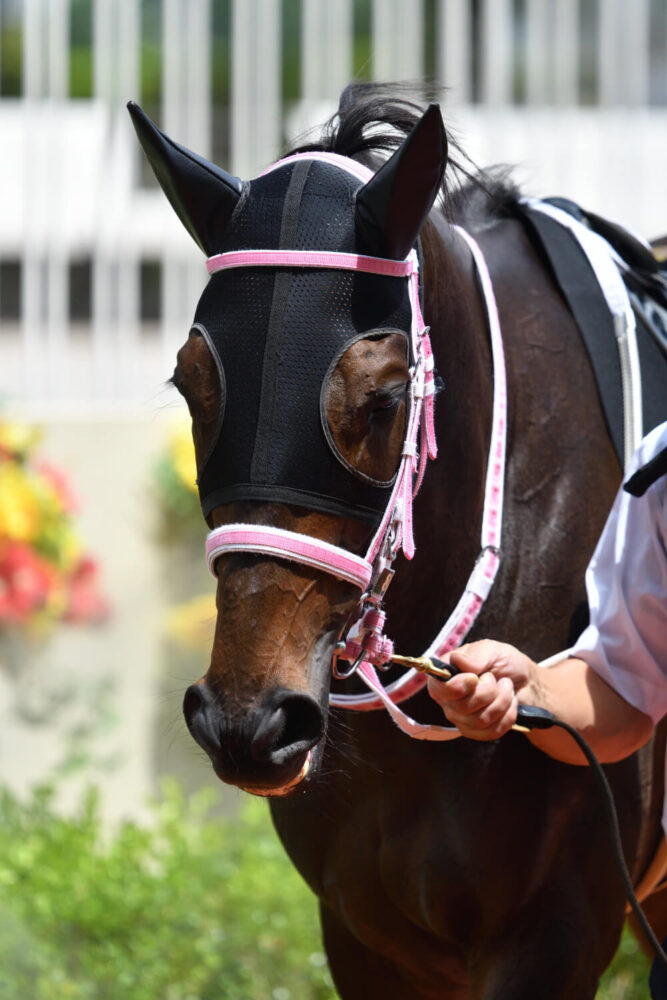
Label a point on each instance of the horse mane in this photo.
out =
(373, 119)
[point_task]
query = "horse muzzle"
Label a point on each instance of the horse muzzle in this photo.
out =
(265, 751)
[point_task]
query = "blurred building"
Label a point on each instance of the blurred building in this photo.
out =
(98, 279)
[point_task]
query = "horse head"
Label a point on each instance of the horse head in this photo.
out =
(296, 378)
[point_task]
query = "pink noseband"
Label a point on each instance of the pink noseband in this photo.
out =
(288, 545)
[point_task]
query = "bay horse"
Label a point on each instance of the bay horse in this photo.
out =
(443, 869)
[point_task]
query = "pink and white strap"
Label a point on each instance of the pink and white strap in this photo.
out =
(310, 258)
(484, 572)
(288, 545)
(395, 530)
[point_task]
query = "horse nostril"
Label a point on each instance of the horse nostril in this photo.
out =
(194, 703)
(204, 718)
(292, 725)
(268, 735)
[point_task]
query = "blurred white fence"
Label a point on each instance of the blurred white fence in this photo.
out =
(575, 91)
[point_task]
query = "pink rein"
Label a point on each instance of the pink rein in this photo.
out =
(395, 531)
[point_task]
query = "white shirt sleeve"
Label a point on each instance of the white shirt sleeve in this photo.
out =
(626, 583)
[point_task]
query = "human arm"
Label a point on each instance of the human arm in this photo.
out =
(482, 702)
(613, 688)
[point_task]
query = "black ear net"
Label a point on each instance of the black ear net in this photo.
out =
(202, 195)
(392, 206)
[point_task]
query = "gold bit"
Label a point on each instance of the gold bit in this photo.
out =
(424, 665)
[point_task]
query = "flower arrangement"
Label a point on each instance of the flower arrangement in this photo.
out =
(191, 622)
(176, 479)
(45, 575)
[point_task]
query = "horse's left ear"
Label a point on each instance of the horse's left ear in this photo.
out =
(392, 206)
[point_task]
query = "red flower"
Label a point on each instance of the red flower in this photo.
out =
(26, 581)
(85, 603)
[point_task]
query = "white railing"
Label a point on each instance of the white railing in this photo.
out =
(574, 91)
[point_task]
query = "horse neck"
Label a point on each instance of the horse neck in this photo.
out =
(448, 510)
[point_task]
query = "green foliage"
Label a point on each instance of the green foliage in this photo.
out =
(81, 54)
(10, 60)
(627, 976)
(179, 508)
(186, 909)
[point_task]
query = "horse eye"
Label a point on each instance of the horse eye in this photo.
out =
(385, 406)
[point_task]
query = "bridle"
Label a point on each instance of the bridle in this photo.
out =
(365, 646)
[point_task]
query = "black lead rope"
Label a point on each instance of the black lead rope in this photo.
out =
(531, 717)
(537, 718)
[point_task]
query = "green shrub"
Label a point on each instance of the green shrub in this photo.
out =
(627, 976)
(188, 908)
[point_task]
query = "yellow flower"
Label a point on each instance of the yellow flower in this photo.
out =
(20, 515)
(18, 439)
(59, 543)
(182, 456)
(192, 624)
(71, 549)
(50, 503)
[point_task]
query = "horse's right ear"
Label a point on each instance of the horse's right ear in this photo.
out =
(392, 206)
(202, 195)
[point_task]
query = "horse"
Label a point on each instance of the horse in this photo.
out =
(446, 868)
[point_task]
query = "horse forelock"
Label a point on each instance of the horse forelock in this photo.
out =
(371, 122)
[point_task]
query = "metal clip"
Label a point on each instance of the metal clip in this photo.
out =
(379, 588)
(342, 675)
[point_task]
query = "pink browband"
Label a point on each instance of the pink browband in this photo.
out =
(395, 531)
(310, 258)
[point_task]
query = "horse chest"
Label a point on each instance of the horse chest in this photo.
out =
(388, 855)
(402, 851)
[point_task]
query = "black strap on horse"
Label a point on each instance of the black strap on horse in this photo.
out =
(539, 718)
(531, 717)
(580, 288)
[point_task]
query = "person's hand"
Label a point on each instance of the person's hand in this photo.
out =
(481, 701)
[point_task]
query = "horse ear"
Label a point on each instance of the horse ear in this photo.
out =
(392, 206)
(202, 195)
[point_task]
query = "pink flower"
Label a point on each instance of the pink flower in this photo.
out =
(58, 483)
(26, 581)
(85, 603)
